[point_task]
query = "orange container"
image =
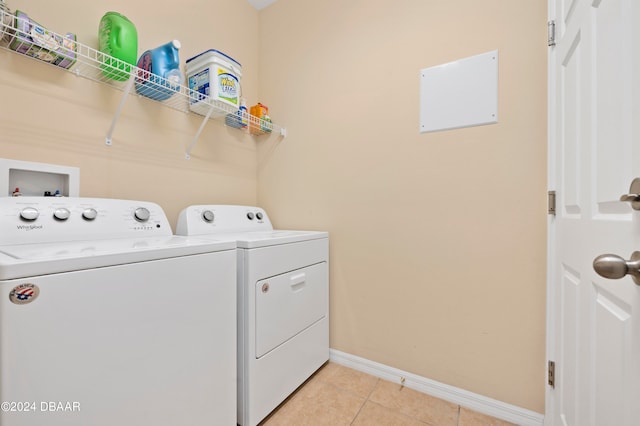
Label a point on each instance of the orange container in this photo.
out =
(257, 122)
(259, 110)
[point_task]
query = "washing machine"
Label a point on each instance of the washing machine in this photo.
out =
(283, 302)
(107, 318)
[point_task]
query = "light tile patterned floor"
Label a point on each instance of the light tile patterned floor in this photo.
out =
(337, 395)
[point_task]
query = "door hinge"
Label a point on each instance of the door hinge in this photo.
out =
(551, 33)
(551, 374)
(552, 203)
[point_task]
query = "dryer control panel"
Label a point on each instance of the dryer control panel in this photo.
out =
(207, 219)
(27, 220)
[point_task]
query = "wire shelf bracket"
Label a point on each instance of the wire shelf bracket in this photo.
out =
(109, 139)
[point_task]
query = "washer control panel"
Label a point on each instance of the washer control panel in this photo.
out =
(57, 219)
(205, 219)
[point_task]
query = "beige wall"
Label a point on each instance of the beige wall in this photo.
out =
(48, 115)
(437, 240)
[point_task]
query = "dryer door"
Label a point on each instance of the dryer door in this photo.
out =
(289, 303)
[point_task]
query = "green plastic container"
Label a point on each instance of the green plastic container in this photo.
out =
(118, 38)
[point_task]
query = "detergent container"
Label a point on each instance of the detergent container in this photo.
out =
(214, 82)
(260, 122)
(159, 75)
(117, 38)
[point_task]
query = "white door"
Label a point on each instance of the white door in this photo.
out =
(594, 154)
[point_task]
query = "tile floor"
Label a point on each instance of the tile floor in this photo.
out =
(337, 395)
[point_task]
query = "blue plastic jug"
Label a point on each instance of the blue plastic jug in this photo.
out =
(159, 75)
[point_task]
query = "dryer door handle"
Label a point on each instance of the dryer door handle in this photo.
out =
(298, 281)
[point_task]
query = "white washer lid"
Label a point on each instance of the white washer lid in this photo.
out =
(26, 260)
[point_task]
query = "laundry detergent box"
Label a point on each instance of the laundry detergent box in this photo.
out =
(214, 82)
(32, 39)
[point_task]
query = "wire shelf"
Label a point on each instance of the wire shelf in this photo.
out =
(23, 36)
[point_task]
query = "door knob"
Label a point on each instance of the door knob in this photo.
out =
(634, 194)
(613, 266)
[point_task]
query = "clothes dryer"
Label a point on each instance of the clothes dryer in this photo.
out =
(107, 318)
(283, 302)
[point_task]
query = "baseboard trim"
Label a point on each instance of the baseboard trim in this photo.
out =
(482, 404)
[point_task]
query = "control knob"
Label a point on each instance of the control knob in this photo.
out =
(250, 216)
(61, 213)
(89, 214)
(142, 214)
(29, 213)
(208, 216)
(259, 215)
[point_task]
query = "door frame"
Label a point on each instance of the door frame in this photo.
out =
(550, 352)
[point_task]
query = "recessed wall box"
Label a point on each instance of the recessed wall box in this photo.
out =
(36, 179)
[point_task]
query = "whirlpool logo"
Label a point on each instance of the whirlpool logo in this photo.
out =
(28, 227)
(24, 293)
